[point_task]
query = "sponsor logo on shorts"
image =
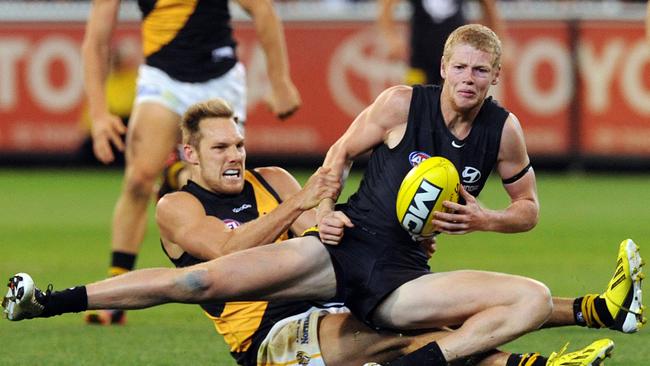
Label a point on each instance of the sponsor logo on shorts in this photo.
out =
(416, 157)
(304, 337)
(232, 224)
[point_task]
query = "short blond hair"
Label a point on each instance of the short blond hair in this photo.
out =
(213, 108)
(476, 35)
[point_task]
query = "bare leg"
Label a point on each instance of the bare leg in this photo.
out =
(294, 270)
(562, 314)
(492, 308)
(344, 341)
(153, 133)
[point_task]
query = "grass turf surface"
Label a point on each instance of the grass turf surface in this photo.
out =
(56, 224)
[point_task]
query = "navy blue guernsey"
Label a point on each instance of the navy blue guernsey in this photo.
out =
(377, 255)
(426, 135)
(243, 324)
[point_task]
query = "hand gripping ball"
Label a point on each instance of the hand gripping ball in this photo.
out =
(422, 192)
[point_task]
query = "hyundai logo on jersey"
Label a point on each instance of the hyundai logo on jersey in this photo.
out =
(471, 175)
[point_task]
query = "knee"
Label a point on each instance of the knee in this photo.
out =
(538, 302)
(139, 182)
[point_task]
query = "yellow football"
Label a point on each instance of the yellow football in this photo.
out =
(422, 192)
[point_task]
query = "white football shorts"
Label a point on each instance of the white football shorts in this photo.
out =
(294, 340)
(154, 85)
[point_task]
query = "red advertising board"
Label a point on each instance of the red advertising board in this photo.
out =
(615, 85)
(339, 67)
(41, 88)
(537, 84)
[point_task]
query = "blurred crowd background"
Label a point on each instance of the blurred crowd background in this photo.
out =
(578, 77)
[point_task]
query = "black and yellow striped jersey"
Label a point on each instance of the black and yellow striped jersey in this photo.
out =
(242, 324)
(190, 40)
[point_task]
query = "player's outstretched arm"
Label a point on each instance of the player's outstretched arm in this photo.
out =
(384, 121)
(107, 129)
(183, 222)
(285, 99)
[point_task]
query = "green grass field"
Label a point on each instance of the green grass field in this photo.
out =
(55, 225)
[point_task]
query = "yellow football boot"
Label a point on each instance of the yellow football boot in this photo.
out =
(623, 294)
(592, 355)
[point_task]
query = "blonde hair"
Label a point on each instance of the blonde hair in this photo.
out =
(476, 35)
(213, 108)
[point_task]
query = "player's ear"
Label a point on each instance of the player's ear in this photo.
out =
(443, 74)
(191, 155)
(497, 74)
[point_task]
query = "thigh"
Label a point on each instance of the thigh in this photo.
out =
(296, 269)
(344, 341)
(153, 133)
(449, 298)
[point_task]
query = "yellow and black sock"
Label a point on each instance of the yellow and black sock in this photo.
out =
(526, 359)
(121, 263)
(591, 311)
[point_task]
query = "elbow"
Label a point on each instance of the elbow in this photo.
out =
(532, 218)
(522, 216)
(530, 224)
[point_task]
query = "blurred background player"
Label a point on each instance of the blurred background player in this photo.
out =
(125, 57)
(190, 55)
(430, 24)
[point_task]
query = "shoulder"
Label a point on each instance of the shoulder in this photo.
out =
(391, 108)
(396, 96)
(175, 202)
(513, 143)
(273, 174)
(512, 124)
(279, 180)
